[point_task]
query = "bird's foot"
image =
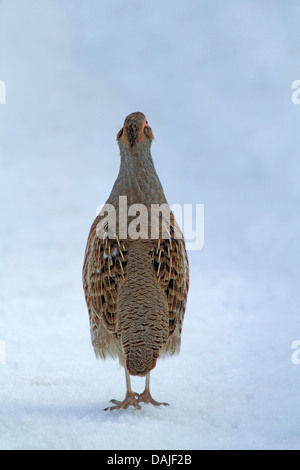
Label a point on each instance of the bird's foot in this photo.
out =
(129, 400)
(146, 397)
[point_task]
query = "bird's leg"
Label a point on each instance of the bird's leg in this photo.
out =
(146, 397)
(129, 398)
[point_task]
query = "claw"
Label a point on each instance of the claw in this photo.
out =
(130, 400)
(146, 397)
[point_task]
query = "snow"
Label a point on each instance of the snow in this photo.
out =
(214, 80)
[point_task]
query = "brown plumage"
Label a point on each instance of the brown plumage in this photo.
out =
(135, 279)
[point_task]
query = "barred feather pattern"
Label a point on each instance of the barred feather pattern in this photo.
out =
(103, 275)
(170, 263)
(136, 293)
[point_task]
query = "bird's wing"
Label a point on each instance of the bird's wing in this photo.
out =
(170, 263)
(104, 272)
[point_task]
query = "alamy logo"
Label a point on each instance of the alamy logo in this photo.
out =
(295, 358)
(2, 92)
(138, 221)
(2, 353)
(295, 97)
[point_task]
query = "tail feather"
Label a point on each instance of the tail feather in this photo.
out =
(140, 360)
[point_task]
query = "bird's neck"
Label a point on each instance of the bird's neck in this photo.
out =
(137, 177)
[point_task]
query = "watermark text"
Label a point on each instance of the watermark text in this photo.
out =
(295, 357)
(138, 221)
(2, 92)
(295, 97)
(2, 353)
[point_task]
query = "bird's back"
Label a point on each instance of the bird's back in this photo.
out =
(143, 315)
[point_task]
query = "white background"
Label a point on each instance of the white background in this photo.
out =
(214, 80)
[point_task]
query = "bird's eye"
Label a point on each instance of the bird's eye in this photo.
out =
(146, 122)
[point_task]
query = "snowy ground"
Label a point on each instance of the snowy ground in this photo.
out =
(214, 79)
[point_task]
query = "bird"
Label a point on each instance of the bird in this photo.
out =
(136, 286)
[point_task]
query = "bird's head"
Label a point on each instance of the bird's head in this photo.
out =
(135, 131)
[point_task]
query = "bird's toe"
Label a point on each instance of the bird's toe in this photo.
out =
(130, 400)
